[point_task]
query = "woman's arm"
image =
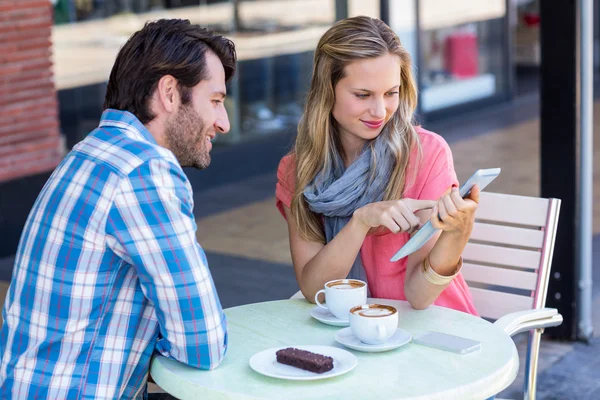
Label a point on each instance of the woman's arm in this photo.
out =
(445, 249)
(316, 263)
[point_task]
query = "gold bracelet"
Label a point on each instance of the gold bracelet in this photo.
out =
(434, 278)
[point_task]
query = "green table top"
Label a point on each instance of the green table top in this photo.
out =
(409, 372)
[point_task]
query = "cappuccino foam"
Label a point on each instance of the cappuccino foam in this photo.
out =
(346, 284)
(374, 312)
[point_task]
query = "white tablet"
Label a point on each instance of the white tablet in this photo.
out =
(481, 178)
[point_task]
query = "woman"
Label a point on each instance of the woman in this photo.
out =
(361, 178)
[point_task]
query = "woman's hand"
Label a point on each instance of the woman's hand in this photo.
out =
(396, 215)
(454, 214)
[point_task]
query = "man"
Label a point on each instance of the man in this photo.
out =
(108, 268)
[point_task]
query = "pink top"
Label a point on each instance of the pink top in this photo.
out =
(386, 279)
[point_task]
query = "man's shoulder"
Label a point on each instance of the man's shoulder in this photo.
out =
(120, 151)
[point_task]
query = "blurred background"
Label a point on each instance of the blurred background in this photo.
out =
(482, 86)
(462, 50)
(469, 56)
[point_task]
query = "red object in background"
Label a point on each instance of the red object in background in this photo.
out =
(531, 19)
(461, 54)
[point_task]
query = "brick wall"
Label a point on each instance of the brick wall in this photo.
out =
(29, 136)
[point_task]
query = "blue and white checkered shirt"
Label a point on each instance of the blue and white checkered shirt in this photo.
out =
(108, 270)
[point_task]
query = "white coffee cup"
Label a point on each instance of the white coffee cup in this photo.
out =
(373, 323)
(341, 295)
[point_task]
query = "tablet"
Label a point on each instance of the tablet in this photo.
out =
(481, 178)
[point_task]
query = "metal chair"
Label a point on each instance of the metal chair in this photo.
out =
(507, 266)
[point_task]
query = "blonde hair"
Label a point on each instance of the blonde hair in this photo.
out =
(347, 41)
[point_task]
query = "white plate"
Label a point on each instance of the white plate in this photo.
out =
(326, 317)
(265, 363)
(347, 338)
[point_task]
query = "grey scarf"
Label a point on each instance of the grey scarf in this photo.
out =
(336, 192)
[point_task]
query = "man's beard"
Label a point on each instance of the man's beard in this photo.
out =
(186, 137)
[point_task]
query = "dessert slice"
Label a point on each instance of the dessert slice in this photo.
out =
(305, 360)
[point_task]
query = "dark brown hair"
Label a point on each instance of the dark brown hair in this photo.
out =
(164, 47)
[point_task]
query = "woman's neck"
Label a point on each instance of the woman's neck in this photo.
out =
(352, 147)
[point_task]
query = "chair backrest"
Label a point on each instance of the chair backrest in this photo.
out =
(508, 258)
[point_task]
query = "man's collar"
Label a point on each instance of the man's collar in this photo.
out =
(126, 121)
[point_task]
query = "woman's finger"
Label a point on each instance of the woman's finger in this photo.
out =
(443, 214)
(416, 205)
(404, 210)
(390, 223)
(449, 205)
(415, 223)
(435, 220)
(474, 195)
(459, 202)
(400, 220)
(410, 217)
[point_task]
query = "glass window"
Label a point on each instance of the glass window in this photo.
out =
(526, 50)
(87, 37)
(403, 21)
(370, 8)
(462, 51)
(275, 41)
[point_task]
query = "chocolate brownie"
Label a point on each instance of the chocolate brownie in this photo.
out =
(305, 360)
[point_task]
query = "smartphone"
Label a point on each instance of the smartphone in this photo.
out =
(481, 178)
(446, 342)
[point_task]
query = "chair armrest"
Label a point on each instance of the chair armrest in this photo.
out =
(522, 321)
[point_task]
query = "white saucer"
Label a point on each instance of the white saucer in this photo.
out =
(265, 363)
(326, 317)
(347, 338)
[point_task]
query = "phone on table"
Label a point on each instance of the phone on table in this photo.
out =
(446, 342)
(481, 178)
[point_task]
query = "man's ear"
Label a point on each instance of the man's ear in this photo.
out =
(168, 94)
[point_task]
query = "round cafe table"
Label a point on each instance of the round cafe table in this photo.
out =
(409, 372)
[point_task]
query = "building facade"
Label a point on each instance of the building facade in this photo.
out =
(29, 129)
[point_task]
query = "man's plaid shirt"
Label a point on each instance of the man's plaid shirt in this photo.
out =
(108, 270)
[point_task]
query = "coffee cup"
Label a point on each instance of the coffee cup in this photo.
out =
(341, 295)
(373, 323)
